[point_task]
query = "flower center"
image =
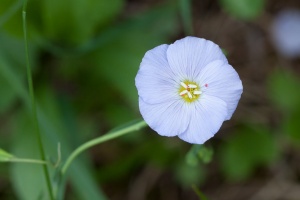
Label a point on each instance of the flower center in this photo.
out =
(189, 91)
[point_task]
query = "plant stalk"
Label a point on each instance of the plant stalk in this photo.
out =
(110, 135)
(33, 105)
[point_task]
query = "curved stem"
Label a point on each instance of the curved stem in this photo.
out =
(104, 138)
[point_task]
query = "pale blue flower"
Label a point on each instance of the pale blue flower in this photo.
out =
(187, 89)
(286, 33)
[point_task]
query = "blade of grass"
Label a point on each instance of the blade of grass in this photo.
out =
(33, 106)
(186, 16)
(79, 173)
(25, 160)
(10, 12)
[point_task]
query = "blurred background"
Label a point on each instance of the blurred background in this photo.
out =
(85, 55)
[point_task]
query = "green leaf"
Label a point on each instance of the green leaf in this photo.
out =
(199, 153)
(9, 9)
(11, 74)
(27, 179)
(291, 126)
(188, 175)
(10, 16)
(243, 9)
(5, 156)
(284, 90)
(205, 154)
(246, 150)
(8, 96)
(75, 21)
(191, 158)
(68, 21)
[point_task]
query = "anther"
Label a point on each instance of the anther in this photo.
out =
(183, 85)
(189, 94)
(192, 86)
(183, 92)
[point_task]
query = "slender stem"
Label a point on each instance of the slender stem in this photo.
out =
(104, 138)
(33, 106)
(200, 195)
(25, 160)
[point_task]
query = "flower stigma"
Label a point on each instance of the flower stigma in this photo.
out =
(189, 91)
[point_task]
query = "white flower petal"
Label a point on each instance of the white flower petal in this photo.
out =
(167, 119)
(189, 55)
(222, 82)
(206, 119)
(155, 81)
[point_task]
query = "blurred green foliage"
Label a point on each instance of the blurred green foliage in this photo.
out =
(85, 55)
(188, 175)
(284, 92)
(65, 22)
(93, 52)
(253, 146)
(199, 153)
(73, 21)
(243, 9)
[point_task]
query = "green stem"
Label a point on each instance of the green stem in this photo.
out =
(25, 160)
(110, 135)
(33, 106)
(200, 195)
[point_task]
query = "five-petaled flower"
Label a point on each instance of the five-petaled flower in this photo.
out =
(187, 89)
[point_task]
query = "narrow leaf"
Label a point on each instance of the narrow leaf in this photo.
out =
(5, 156)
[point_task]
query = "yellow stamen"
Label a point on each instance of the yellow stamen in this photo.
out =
(189, 91)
